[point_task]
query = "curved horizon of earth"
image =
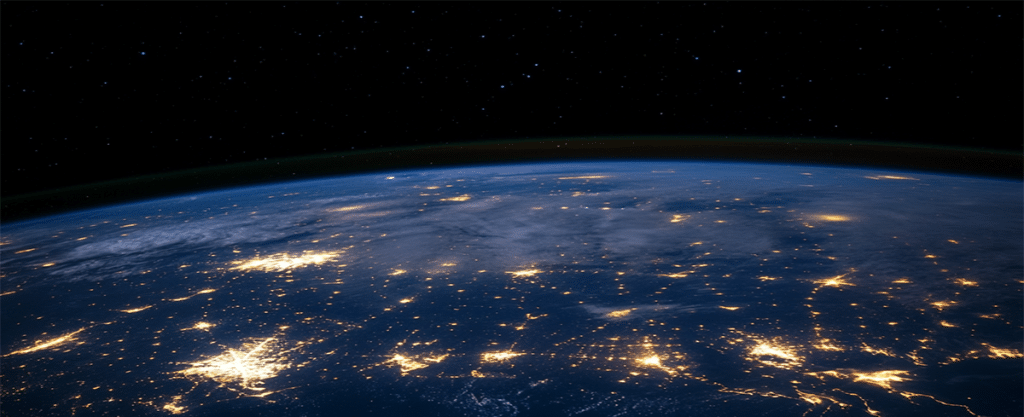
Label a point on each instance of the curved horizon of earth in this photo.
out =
(597, 288)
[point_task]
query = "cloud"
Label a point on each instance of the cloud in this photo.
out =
(116, 254)
(193, 234)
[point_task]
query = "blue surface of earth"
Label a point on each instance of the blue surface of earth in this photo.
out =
(578, 289)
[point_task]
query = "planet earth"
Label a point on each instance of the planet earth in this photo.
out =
(600, 288)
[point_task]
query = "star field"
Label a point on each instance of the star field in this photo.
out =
(101, 91)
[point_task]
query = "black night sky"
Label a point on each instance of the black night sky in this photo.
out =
(100, 91)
